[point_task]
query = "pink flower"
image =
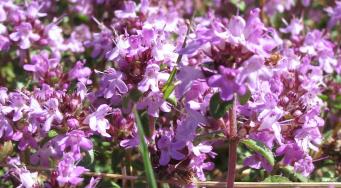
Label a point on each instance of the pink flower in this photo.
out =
(97, 120)
(152, 78)
(153, 102)
(24, 35)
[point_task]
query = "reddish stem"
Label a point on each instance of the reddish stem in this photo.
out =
(233, 143)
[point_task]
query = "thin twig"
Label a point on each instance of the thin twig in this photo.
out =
(233, 143)
(198, 183)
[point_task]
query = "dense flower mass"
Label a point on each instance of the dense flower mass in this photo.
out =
(74, 72)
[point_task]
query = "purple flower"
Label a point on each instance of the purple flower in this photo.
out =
(169, 149)
(6, 130)
(72, 123)
(269, 121)
(93, 182)
(102, 43)
(18, 105)
(68, 172)
(3, 14)
(78, 36)
(130, 143)
(274, 6)
(97, 120)
(122, 46)
(186, 129)
(24, 35)
(265, 137)
(53, 113)
(112, 82)
(43, 67)
(257, 161)
(308, 138)
(305, 3)
(198, 164)
(80, 73)
(33, 10)
(187, 76)
(304, 166)
(74, 141)
(128, 12)
(152, 78)
(27, 178)
(49, 151)
(165, 52)
(3, 95)
(27, 140)
(200, 149)
(334, 13)
(153, 102)
(253, 70)
(291, 151)
(5, 43)
(226, 82)
(295, 27)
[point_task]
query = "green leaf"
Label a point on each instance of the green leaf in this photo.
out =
(91, 155)
(144, 152)
(261, 149)
(169, 86)
(135, 94)
(172, 100)
(218, 107)
(239, 4)
(289, 172)
(216, 135)
(324, 97)
(52, 133)
(243, 99)
(168, 91)
(144, 116)
(115, 185)
(276, 178)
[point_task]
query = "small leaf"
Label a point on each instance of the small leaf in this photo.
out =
(243, 99)
(52, 133)
(276, 178)
(218, 107)
(261, 149)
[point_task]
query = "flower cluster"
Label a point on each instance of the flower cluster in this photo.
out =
(88, 71)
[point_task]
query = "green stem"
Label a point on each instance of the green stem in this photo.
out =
(144, 152)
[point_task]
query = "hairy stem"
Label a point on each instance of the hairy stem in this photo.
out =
(233, 143)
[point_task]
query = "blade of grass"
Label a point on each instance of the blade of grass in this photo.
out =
(169, 86)
(144, 152)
